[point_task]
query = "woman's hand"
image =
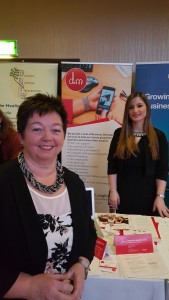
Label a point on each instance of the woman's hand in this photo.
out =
(78, 278)
(114, 199)
(159, 204)
(43, 287)
(51, 287)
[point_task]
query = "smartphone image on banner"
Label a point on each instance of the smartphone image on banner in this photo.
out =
(106, 99)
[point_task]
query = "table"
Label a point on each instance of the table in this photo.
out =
(100, 287)
(97, 288)
(166, 289)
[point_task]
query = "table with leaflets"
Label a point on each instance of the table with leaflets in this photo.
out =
(131, 258)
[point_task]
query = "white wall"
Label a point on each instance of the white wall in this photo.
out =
(114, 31)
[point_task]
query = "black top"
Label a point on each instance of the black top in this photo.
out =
(23, 244)
(136, 176)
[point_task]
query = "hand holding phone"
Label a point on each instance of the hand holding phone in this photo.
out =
(105, 100)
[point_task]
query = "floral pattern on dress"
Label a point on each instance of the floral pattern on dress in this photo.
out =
(58, 232)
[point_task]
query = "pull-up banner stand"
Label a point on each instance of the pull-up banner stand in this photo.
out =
(153, 80)
(95, 96)
(19, 80)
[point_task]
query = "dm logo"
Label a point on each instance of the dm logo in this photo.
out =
(76, 79)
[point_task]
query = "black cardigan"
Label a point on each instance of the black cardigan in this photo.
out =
(23, 245)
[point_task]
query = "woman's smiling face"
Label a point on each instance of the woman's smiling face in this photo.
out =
(43, 137)
(137, 110)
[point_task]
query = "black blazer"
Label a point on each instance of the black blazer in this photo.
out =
(23, 245)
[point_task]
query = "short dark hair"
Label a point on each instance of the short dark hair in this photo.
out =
(41, 104)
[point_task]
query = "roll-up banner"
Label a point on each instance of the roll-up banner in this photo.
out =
(19, 80)
(153, 80)
(94, 95)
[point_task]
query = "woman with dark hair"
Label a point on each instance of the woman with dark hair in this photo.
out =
(9, 140)
(138, 162)
(46, 229)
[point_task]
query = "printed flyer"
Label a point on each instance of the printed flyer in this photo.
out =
(94, 95)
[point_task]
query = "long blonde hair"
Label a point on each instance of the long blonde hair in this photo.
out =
(126, 144)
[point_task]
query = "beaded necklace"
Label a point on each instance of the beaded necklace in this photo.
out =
(138, 133)
(39, 186)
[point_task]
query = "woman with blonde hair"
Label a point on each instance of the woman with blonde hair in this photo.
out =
(138, 162)
(9, 140)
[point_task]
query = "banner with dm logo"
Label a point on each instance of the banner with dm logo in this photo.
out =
(153, 80)
(94, 95)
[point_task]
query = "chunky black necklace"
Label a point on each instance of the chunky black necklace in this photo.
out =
(39, 186)
(138, 133)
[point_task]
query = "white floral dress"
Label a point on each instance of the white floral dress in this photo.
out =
(55, 218)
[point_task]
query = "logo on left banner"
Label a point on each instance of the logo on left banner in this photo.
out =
(76, 79)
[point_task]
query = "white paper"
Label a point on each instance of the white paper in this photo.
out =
(147, 265)
(142, 224)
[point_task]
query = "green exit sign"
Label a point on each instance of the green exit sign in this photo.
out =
(8, 48)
